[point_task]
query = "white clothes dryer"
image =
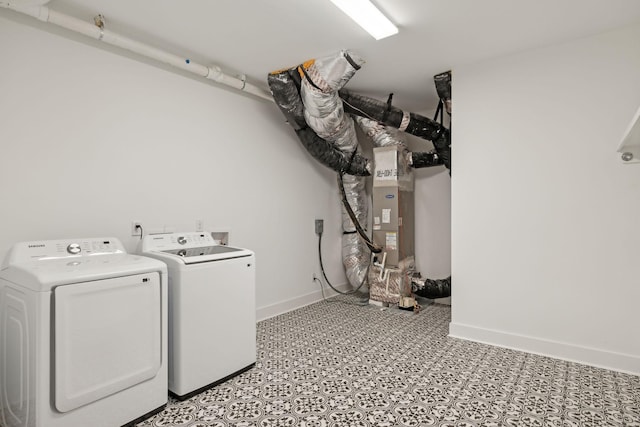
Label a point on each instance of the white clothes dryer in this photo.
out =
(83, 327)
(212, 309)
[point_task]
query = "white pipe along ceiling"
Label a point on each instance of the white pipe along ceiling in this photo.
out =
(41, 12)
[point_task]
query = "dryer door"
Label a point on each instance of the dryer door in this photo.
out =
(107, 337)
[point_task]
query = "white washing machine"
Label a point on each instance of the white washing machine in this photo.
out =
(212, 309)
(83, 335)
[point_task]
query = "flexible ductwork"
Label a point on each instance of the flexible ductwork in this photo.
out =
(323, 112)
(285, 88)
(443, 88)
(425, 159)
(432, 289)
(214, 73)
(380, 134)
(355, 255)
(414, 124)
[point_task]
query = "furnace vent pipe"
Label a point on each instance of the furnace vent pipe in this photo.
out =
(88, 29)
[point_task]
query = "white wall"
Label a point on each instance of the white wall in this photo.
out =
(433, 216)
(545, 241)
(91, 141)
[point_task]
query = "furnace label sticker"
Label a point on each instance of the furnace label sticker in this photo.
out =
(386, 216)
(391, 241)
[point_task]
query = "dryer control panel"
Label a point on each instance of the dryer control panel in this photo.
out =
(54, 249)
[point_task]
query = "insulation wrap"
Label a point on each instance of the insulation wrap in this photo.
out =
(328, 155)
(432, 288)
(323, 112)
(286, 94)
(285, 88)
(443, 87)
(381, 135)
(355, 258)
(417, 125)
(425, 160)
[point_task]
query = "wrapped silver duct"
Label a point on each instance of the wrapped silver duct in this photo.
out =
(323, 110)
(285, 87)
(355, 255)
(381, 135)
(324, 113)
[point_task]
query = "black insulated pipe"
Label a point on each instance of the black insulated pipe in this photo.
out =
(285, 88)
(327, 154)
(432, 289)
(286, 93)
(412, 123)
(425, 160)
(443, 87)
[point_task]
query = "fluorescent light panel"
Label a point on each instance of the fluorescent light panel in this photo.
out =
(368, 17)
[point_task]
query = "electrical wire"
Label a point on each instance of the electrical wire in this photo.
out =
(372, 246)
(141, 230)
(353, 291)
(333, 298)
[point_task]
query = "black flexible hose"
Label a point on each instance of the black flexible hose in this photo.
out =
(372, 246)
(326, 279)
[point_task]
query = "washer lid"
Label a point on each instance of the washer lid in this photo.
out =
(189, 248)
(207, 253)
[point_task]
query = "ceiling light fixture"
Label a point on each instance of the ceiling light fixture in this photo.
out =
(368, 17)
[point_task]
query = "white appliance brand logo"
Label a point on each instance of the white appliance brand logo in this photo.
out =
(36, 246)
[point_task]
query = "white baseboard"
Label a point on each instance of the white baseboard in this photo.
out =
(297, 302)
(620, 362)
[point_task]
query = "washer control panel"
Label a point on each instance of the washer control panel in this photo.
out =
(178, 241)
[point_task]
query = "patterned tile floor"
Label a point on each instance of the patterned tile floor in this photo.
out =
(336, 364)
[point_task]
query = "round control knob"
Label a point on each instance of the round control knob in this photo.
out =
(627, 157)
(74, 248)
(182, 252)
(182, 240)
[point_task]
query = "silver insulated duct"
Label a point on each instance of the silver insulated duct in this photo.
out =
(324, 113)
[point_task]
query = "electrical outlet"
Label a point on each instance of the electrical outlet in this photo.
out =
(319, 226)
(136, 228)
(199, 225)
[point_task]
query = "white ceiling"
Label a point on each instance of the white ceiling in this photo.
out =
(255, 37)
